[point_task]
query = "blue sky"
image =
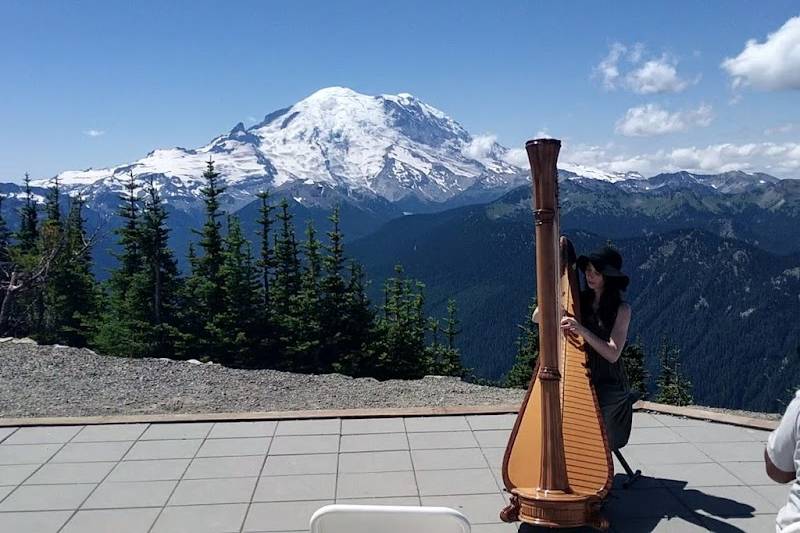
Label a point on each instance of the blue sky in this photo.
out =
(93, 84)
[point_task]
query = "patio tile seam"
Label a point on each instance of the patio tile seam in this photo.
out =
(186, 469)
(95, 487)
(260, 474)
(413, 466)
(37, 468)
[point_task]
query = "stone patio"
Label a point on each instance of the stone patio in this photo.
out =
(259, 476)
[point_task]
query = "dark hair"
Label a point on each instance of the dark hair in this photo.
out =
(610, 301)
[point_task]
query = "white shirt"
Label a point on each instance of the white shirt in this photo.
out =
(783, 448)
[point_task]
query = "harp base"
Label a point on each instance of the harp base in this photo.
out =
(553, 508)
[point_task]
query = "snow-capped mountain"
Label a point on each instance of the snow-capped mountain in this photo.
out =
(335, 142)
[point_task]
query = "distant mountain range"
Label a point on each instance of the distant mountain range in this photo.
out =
(714, 258)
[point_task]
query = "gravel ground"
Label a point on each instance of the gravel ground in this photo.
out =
(56, 380)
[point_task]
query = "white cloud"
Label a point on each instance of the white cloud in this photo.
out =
(783, 128)
(773, 65)
(517, 157)
(651, 119)
(781, 159)
(94, 133)
(480, 146)
(654, 76)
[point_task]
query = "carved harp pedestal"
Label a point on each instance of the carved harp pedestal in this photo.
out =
(557, 464)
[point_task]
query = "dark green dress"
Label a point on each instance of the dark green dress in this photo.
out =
(609, 380)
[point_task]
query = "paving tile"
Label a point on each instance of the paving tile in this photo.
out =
(20, 454)
(110, 495)
(5, 432)
(725, 502)
(226, 430)
(281, 516)
(448, 459)
(40, 522)
(759, 522)
(374, 461)
(215, 467)
(149, 470)
(478, 508)
(220, 490)
(727, 452)
(234, 446)
(374, 442)
(222, 518)
(678, 421)
(494, 456)
(494, 528)
(309, 427)
(750, 472)
(718, 433)
(82, 452)
(351, 426)
(482, 422)
(685, 523)
(645, 420)
(623, 506)
(655, 435)
(46, 497)
(464, 481)
(492, 438)
(65, 473)
(15, 474)
(391, 500)
(303, 444)
(295, 488)
(436, 423)
(190, 430)
(374, 485)
(110, 432)
(316, 463)
(43, 435)
(653, 454)
(163, 449)
(112, 520)
(776, 494)
(438, 440)
(693, 475)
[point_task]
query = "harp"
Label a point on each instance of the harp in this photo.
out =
(557, 465)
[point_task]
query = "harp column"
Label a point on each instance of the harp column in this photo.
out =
(543, 155)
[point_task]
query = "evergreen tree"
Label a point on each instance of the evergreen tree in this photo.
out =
(399, 348)
(673, 387)
(309, 332)
(334, 313)
(633, 358)
(5, 243)
(443, 358)
(356, 329)
(285, 288)
(28, 233)
(520, 374)
(203, 299)
(266, 263)
(234, 329)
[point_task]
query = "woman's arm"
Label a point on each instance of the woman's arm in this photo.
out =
(610, 350)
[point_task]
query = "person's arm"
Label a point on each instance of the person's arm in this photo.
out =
(781, 445)
(610, 350)
(535, 316)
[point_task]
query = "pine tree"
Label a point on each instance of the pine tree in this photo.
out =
(28, 233)
(234, 329)
(633, 358)
(520, 374)
(203, 298)
(309, 329)
(444, 359)
(673, 387)
(334, 313)
(355, 332)
(266, 263)
(5, 243)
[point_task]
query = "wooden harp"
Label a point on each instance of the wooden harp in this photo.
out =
(557, 465)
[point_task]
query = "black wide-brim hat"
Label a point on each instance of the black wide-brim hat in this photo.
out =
(608, 262)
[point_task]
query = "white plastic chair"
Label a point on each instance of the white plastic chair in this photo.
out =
(340, 518)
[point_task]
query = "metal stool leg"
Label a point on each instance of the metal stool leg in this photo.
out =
(632, 476)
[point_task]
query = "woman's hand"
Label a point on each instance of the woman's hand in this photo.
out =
(570, 325)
